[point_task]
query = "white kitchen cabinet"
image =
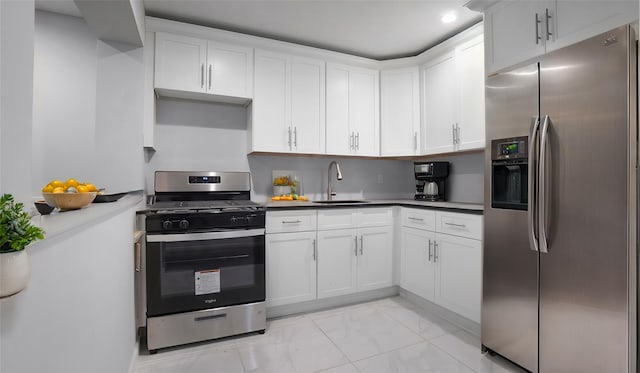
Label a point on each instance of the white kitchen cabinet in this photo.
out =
(442, 262)
(417, 266)
(355, 248)
(400, 112)
(288, 104)
(290, 268)
(375, 255)
(337, 262)
(458, 282)
(187, 66)
(438, 104)
(353, 118)
(519, 30)
(453, 99)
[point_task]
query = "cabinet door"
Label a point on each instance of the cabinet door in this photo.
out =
(271, 130)
(336, 262)
(399, 111)
(230, 70)
(308, 105)
(339, 139)
(364, 119)
(417, 266)
(459, 275)
(439, 104)
(290, 267)
(512, 32)
(375, 258)
(580, 20)
(470, 74)
(180, 63)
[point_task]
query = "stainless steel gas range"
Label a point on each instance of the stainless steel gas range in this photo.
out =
(205, 258)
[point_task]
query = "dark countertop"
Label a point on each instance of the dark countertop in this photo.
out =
(467, 207)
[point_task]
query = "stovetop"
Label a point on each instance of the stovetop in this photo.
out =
(195, 206)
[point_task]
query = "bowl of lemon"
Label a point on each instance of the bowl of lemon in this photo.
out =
(69, 195)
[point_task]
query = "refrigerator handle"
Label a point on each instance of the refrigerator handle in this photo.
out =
(532, 187)
(542, 192)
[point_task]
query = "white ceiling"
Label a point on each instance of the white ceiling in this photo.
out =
(375, 29)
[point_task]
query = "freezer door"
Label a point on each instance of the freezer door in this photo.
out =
(509, 294)
(584, 91)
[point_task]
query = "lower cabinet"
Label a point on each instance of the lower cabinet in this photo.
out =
(443, 268)
(290, 267)
(353, 260)
(418, 268)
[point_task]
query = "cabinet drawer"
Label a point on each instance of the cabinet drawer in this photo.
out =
(374, 217)
(336, 219)
(463, 225)
(420, 219)
(291, 221)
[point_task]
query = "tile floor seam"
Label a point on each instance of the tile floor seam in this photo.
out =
(419, 335)
(453, 356)
(384, 353)
(333, 343)
(237, 350)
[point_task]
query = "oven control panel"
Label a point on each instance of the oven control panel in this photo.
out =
(200, 222)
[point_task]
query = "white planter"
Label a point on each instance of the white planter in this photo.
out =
(14, 272)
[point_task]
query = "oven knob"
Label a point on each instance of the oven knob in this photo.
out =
(167, 224)
(234, 219)
(184, 224)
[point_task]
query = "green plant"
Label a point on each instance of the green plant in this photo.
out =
(16, 230)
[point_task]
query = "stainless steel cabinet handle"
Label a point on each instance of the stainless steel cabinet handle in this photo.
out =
(542, 179)
(453, 133)
(457, 134)
(210, 76)
(430, 254)
(291, 221)
(456, 225)
(138, 261)
(315, 250)
(416, 219)
(295, 137)
(289, 142)
(356, 244)
(533, 185)
(361, 245)
(351, 141)
(358, 141)
(202, 76)
(538, 21)
(548, 16)
(435, 251)
(415, 141)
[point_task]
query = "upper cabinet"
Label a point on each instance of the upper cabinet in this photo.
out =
(453, 100)
(288, 105)
(353, 120)
(400, 112)
(187, 67)
(519, 30)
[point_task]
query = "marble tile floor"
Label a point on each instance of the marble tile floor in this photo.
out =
(387, 335)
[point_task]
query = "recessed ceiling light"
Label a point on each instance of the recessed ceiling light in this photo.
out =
(449, 17)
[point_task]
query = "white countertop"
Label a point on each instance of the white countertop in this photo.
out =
(60, 224)
(379, 202)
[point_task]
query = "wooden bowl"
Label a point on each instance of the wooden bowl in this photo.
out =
(69, 201)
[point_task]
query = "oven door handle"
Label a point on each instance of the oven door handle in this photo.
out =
(203, 236)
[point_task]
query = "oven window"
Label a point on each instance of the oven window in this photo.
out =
(232, 261)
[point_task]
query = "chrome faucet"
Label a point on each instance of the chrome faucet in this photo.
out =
(330, 192)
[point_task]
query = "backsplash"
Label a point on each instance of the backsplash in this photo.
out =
(197, 136)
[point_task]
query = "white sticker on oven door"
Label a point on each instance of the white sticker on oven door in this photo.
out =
(208, 281)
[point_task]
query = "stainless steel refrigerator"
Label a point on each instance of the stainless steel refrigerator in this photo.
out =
(559, 266)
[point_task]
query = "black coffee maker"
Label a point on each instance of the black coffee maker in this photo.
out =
(431, 180)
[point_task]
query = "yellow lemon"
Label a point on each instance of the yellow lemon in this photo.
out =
(47, 189)
(58, 190)
(90, 187)
(71, 183)
(56, 183)
(82, 189)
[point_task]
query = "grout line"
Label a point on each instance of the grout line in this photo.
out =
(452, 356)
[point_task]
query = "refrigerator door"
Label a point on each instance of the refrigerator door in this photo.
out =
(584, 91)
(510, 293)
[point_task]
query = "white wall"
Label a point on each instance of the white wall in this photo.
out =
(16, 96)
(87, 105)
(77, 312)
(192, 135)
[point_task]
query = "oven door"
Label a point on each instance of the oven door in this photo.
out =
(195, 271)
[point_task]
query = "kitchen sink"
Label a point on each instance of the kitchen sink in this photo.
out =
(343, 202)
